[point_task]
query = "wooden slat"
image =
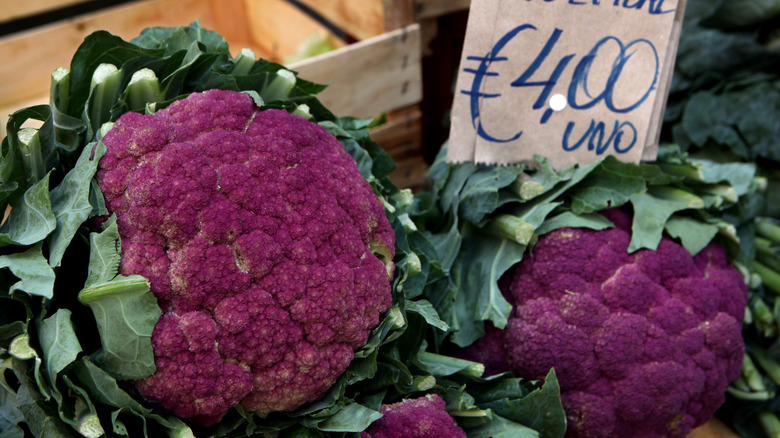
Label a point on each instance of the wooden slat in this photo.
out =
(435, 8)
(410, 173)
(15, 9)
(280, 28)
(398, 13)
(401, 135)
(369, 77)
(232, 22)
(401, 138)
(29, 58)
(364, 19)
(361, 18)
(713, 429)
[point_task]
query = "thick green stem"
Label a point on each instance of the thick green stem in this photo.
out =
(423, 383)
(179, 429)
(682, 196)
(118, 286)
(683, 170)
(768, 229)
(751, 395)
(60, 82)
(20, 347)
(770, 365)
(142, 89)
(103, 95)
(511, 227)
(304, 111)
(32, 157)
(244, 62)
(759, 184)
(763, 317)
(722, 193)
(766, 254)
(67, 129)
(104, 130)
(526, 187)
(769, 277)
(89, 426)
(728, 231)
(751, 374)
(450, 365)
(767, 246)
(280, 86)
(770, 423)
(741, 384)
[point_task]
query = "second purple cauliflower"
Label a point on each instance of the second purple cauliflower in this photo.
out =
(643, 344)
(268, 252)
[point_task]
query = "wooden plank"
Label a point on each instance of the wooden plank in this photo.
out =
(435, 8)
(401, 135)
(713, 429)
(280, 29)
(30, 57)
(364, 19)
(232, 22)
(360, 18)
(369, 77)
(399, 13)
(411, 173)
(15, 9)
(382, 74)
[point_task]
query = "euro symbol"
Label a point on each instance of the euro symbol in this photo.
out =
(475, 95)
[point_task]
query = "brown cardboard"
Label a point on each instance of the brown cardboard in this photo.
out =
(635, 47)
(651, 148)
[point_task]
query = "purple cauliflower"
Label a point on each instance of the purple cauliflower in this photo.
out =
(423, 417)
(643, 344)
(269, 253)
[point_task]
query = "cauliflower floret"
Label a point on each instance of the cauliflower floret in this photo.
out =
(643, 344)
(255, 229)
(423, 417)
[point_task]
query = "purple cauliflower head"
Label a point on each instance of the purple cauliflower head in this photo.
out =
(269, 253)
(423, 417)
(643, 344)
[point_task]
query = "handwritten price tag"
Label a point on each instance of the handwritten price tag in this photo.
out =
(571, 80)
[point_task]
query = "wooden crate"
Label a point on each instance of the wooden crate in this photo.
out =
(376, 71)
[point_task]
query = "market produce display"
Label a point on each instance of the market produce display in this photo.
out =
(195, 246)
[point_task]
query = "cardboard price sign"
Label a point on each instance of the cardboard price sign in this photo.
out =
(571, 80)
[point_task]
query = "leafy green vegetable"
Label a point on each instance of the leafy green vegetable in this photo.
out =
(32, 219)
(70, 201)
(59, 343)
(126, 312)
(36, 277)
